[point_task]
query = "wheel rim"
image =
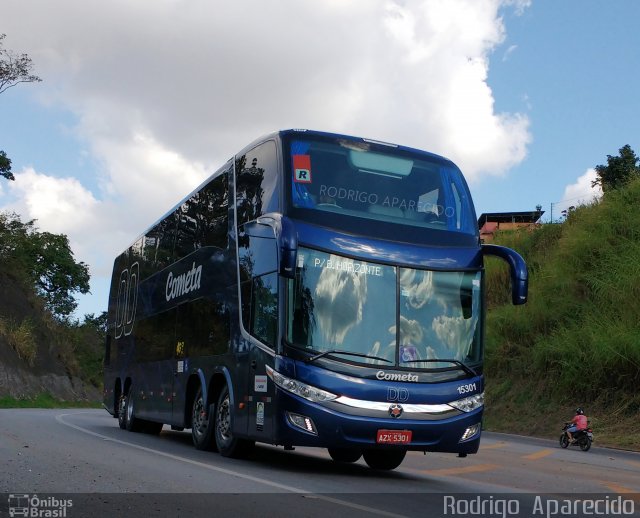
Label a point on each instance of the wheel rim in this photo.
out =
(223, 420)
(122, 408)
(199, 417)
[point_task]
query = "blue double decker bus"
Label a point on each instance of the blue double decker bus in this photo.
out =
(317, 290)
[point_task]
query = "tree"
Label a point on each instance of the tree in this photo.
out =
(5, 166)
(14, 69)
(99, 323)
(618, 171)
(47, 262)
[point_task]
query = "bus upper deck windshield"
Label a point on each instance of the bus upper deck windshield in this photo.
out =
(379, 182)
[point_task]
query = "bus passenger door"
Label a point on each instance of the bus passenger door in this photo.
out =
(258, 261)
(263, 326)
(261, 396)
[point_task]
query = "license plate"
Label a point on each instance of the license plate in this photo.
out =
(393, 437)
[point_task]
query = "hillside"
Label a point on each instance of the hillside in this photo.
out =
(577, 341)
(38, 355)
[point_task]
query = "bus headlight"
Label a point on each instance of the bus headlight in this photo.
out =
(469, 403)
(300, 389)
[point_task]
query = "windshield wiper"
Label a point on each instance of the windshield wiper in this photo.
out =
(348, 353)
(463, 366)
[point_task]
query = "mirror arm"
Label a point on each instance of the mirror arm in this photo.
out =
(519, 271)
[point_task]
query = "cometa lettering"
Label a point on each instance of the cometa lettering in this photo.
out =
(396, 376)
(183, 283)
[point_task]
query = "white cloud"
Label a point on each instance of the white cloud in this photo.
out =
(60, 205)
(167, 91)
(579, 193)
(508, 52)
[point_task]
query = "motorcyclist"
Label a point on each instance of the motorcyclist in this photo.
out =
(579, 422)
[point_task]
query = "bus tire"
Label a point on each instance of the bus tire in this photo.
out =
(345, 454)
(133, 424)
(228, 445)
(384, 459)
(203, 424)
(122, 412)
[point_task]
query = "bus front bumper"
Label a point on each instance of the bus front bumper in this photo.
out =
(302, 423)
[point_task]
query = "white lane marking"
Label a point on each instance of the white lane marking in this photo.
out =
(291, 489)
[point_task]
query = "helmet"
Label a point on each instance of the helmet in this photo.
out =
(579, 411)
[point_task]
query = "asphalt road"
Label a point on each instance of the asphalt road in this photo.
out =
(82, 456)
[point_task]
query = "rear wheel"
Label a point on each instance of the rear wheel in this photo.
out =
(384, 459)
(585, 444)
(203, 424)
(133, 424)
(345, 454)
(228, 445)
(564, 440)
(122, 412)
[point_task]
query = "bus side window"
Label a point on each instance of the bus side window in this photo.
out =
(213, 228)
(260, 308)
(155, 337)
(256, 182)
(203, 326)
(204, 218)
(186, 233)
(158, 243)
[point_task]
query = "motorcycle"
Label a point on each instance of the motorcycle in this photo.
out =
(582, 438)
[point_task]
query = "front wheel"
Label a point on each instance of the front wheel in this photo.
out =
(227, 444)
(585, 444)
(384, 459)
(345, 454)
(564, 440)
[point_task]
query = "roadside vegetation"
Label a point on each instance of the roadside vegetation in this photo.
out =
(20, 337)
(44, 400)
(38, 281)
(577, 341)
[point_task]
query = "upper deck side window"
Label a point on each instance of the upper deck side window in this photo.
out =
(257, 182)
(202, 220)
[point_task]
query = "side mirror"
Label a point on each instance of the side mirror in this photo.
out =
(287, 238)
(519, 272)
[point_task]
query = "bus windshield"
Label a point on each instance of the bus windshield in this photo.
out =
(388, 315)
(358, 178)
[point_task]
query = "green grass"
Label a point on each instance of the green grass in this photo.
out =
(577, 341)
(45, 400)
(21, 338)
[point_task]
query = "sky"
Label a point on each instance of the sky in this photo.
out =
(141, 101)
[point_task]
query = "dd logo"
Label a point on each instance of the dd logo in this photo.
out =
(397, 394)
